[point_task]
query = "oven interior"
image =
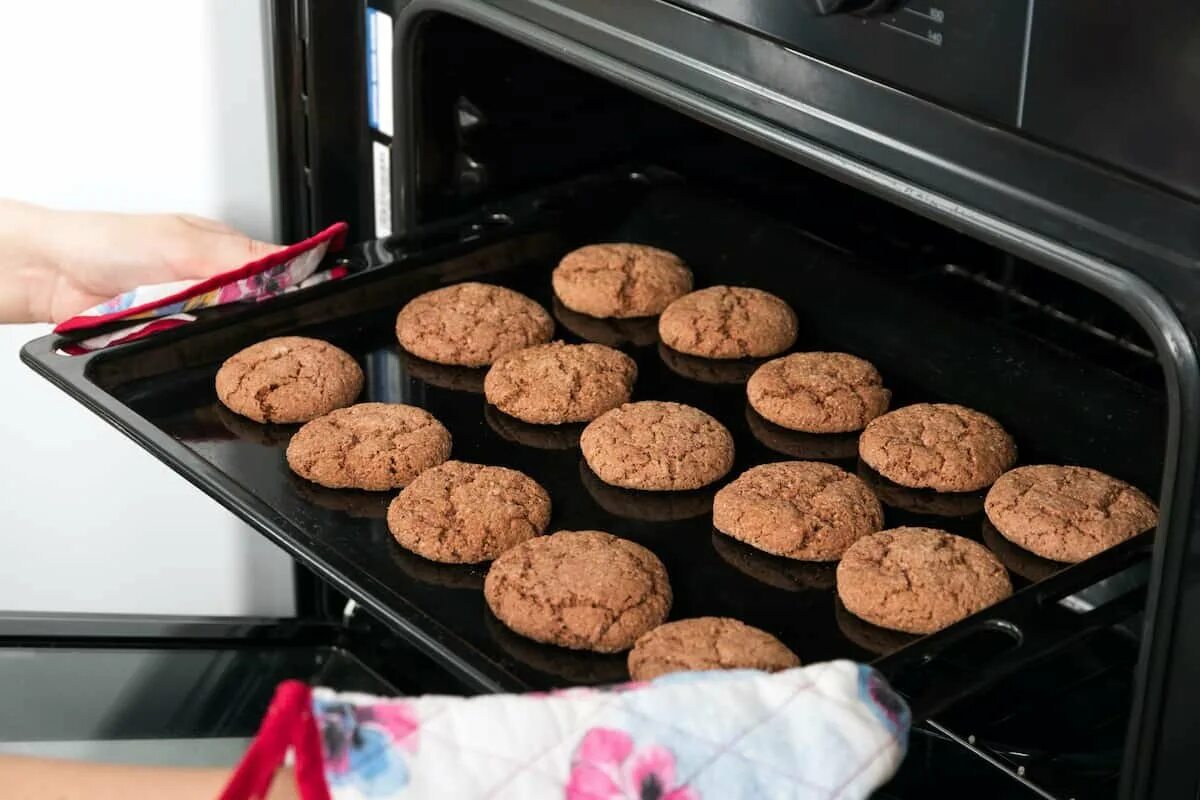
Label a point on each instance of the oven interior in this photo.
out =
(493, 118)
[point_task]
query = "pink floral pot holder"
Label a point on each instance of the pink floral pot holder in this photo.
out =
(830, 730)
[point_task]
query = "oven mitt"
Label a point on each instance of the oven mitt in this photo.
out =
(830, 730)
(167, 305)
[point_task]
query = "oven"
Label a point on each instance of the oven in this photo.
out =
(974, 196)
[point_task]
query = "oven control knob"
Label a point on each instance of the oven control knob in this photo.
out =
(862, 7)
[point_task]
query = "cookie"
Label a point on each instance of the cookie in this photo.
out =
(775, 571)
(804, 446)
(940, 446)
(471, 324)
(557, 383)
(460, 513)
(657, 446)
(372, 446)
(543, 437)
(804, 510)
(818, 392)
(620, 280)
(707, 643)
(584, 590)
(637, 331)
(288, 379)
(646, 506)
(919, 580)
(728, 322)
(1067, 513)
(708, 370)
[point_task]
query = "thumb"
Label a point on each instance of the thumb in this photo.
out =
(213, 251)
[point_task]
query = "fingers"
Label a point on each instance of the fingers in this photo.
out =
(212, 248)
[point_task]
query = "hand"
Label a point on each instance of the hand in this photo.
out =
(55, 264)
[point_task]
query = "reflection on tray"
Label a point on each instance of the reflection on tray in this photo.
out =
(448, 576)
(708, 370)
(805, 446)
(638, 331)
(573, 666)
(870, 637)
(921, 501)
(355, 502)
(543, 437)
(782, 573)
(246, 429)
(456, 379)
(1018, 560)
(647, 506)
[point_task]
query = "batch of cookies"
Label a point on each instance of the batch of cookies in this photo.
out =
(594, 591)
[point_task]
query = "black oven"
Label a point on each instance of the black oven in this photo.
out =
(978, 196)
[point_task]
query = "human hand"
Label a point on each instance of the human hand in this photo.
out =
(55, 264)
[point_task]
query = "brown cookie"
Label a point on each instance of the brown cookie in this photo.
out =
(585, 590)
(288, 379)
(818, 392)
(647, 506)
(620, 280)
(657, 446)
(557, 383)
(1067, 513)
(919, 580)
(940, 446)
(775, 571)
(707, 643)
(707, 370)
(804, 510)
(460, 513)
(372, 446)
(637, 331)
(471, 324)
(804, 446)
(728, 322)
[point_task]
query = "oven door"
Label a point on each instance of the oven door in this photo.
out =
(172, 690)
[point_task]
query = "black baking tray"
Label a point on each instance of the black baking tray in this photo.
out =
(929, 346)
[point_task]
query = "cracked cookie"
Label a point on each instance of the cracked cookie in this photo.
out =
(620, 280)
(288, 379)
(728, 322)
(657, 446)
(804, 510)
(818, 392)
(372, 446)
(919, 580)
(557, 383)
(471, 324)
(460, 513)
(940, 446)
(707, 643)
(585, 590)
(1067, 513)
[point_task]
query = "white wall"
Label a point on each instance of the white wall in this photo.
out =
(127, 105)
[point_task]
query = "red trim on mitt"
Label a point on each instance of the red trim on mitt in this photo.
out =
(335, 234)
(289, 724)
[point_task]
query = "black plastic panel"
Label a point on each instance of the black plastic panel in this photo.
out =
(966, 54)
